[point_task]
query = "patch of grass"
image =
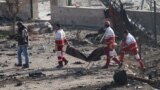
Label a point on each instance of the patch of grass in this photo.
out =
(4, 34)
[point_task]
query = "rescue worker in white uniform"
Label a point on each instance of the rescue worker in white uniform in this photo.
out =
(60, 40)
(130, 45)
(110, 43)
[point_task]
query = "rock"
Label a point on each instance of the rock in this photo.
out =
(38, 53)
(13, 46)
(30, 54)
(85, 41)
(81, 72)
(1, 47)
(54, 51)
(151, 64)
(49, 82)
(84, 50)
(46, 27)
(1, 54)
(82, 86)
(4, 65)
(7, 46)
(2, 76)
(2, 42)
(6, 61)
(138, 87)
(19, 84)
(128, 85)
(78, 62)
(11, 54)
(41, 49)
(98, 89)
(48, 57)
(30, 48)
(36, 74)
(4, 49)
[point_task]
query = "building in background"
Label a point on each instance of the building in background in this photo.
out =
(77, 12)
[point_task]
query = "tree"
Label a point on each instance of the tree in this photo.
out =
(13, 9)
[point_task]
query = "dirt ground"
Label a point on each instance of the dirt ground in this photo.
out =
(75, 76)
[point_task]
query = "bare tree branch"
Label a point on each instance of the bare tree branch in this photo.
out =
(13, 8)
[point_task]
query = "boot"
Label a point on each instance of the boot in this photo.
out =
(121, 57)
(141, 64)
(107, 63)
(65, 61)
(60, 64)
(25, 66)
(18, 65)
(120, 65)
(105, 66)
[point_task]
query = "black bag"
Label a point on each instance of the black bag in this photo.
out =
(97, 53)
(120, 77)
(75, 53)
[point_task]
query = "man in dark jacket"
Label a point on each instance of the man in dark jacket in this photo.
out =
(22, 45)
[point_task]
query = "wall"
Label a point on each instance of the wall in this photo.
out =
(62, 3)
(35, 9)
(78, 16)
(146, 18)
(94, 17)
(59, 3)
(84, 3)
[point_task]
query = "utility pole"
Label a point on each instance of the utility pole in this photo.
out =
(155, 23)
(142, 3)
(150, 5)
(31, 9)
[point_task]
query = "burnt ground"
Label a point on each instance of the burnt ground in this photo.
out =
(77, 75)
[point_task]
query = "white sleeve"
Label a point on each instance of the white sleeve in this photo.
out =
(64, 35)
(105, 34)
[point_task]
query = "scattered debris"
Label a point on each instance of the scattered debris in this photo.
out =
(80, 42)
(1, 54)
(78, 62)
(3, 65)
(46, 27)
(36, 74)
(19, 84)
(82, 86)
(138, 87)
(11, 54)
